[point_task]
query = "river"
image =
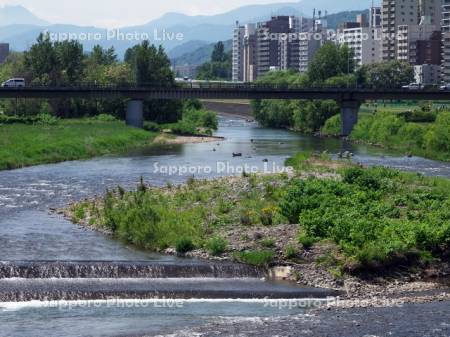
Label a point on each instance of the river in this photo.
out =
(29, 232)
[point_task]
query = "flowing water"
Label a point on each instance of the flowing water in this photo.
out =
(32, 240)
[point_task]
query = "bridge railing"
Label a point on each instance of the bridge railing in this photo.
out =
(207, 85)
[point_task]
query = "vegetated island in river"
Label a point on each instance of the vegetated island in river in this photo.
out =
(366, 231)
(44, 139)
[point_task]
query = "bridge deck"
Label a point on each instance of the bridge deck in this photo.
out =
(225, 92)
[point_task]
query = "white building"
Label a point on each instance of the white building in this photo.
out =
(237, 54)
(427, 74)
(365, 42)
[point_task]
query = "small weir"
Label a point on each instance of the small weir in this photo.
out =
(105, 269)
(58, 280)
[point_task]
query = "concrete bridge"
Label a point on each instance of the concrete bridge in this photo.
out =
(349, 99)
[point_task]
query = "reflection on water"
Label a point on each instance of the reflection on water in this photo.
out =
(28, 232)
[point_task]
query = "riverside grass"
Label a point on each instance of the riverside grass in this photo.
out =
(374, 216)
(24, 145)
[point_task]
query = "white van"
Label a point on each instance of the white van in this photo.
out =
(14, 83)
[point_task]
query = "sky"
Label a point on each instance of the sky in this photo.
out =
(115, 13)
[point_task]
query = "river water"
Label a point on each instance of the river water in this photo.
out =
(28, 232)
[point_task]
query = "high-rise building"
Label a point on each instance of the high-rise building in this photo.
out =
(445, 28)
(4, 52)
(394, 14)
(266, 46)
(249, 56)
(271, 49)
(375, 17)
(430, 12)
(365, 43)
(311, 40)
(363, 38)
(237, 53)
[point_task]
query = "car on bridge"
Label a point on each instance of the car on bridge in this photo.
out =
(14, 83)
(413, 86)
(445, 87)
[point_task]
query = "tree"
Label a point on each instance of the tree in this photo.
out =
(218, 54)
(69, 55)
(301, 115)
(219, 68)
(331, 60)
(42, 61)
(387, 75)
(102, 56)
(151, 66)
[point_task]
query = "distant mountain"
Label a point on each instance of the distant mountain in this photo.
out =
(185, 48)
(199, 56)
(334, 20)
(22, 30)
(252, 13)
(12, 15)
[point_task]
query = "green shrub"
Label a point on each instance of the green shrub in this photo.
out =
(419, 116)
(306, 241)
(268, 243)
(291, 252)
(332, 126)
(256, 258)
(217, 246)
(246, 218)
(412, 134)
(267, 216)
(152, 126)
(46, 119)
(438, 137)
(105, 118)
(184, 245)
(372, 214)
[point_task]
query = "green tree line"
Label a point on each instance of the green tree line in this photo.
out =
(66, 63)
(333, 66)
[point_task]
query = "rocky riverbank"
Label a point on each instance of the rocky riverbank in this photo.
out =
(319, 265)
(178, 140)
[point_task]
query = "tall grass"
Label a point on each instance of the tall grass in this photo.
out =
(25, 145)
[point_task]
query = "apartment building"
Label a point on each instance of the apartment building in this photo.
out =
(249, 54)
(375, 17)
(4, 52)
(237, 73)
(427, 74)
(270, 45)
(445, 27)
(363, 37)
(395, 14)
(272, 48)
(310, 42)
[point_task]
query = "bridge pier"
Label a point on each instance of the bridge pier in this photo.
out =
(349, 116)
(135, 114)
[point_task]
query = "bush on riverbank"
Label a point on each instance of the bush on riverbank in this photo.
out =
(194, 122)
(391, 130)
(300, 115)
(24, 145)
(374, 216)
